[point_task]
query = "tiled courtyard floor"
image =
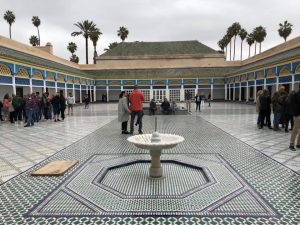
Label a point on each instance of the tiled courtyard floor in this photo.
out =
(217, 176)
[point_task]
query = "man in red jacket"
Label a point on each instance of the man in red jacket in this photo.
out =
(136, 99)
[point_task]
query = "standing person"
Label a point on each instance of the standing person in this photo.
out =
(123, 111)
(198, 100)
(36, 108)
(166, 106)
(259, 94)
(265, 109)
(11, 110)
(277, 103)
(45, 106)
(136, 99)
(288, 112)
(62, 105)
(49, 103)
(188, 100)
(1, 106)
(5, 109)
(56, 106)
(71, 103)
(209, 99)
(40, 105)
(29, 108)
(296, 128)
(152, 108)
(86, 101)
(17, 104)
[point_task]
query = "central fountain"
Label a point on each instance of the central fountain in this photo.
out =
(155, 142)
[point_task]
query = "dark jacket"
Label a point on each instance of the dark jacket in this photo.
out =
(296, 104)
(165, 106)
(55, 102)
(30, 104)
(198, 98)
(62, 102)
(265, 103)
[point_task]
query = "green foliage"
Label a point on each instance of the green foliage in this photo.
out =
(72, 47)
(10, 18)
(285, 29)
(243, 34)
(111, 46)
(37, 22)
(74, 58)
(123, 33)
(94, 36)
(33, 40)
(250, 39)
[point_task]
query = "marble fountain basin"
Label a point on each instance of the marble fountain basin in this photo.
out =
(155, 143)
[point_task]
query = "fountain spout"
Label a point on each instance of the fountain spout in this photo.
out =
(155, 138)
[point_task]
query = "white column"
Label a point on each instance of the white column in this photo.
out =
(167, 92)
(44, 85)
(182, 93)
(234, 92)
(80, 95)
(55, 86)
(229, 87)
(66, 90)
(197, 88)
(95, 96)
(240, 92)
(107, 92)
(14, 85)
(247, 92)
(151, 92)
(212, 91)
(277, 83)
(73, 91)
(254, 90)
(226, 95)
(265, 83)
(293, 82)
(86, 89)
(30, 85)
(122, 87)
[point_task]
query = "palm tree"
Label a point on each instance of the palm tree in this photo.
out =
(243, 34)
(285, 30)
(123, 33)
(250, 41)
(94, 36)
(72, 47)
(226, 43)
(111, 46)
(37, 22)
(10, 19)
(230, 34)
(259, 35)
(74, 58)
(236, 27)
(221, 44)
(85, 29)
(33, 40)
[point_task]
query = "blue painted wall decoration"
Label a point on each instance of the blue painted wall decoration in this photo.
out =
(50, 84)
(9, 65)
(5, 80)
(22, 81)
(285, 79)
(271, 80)
(39, 83)
(28, 69)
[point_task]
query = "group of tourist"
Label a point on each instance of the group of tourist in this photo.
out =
(133, 105)
(286, 110)
(33, 108)
(135, 109)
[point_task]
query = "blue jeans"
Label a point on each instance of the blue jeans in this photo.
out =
(277, 116)
(29, 114)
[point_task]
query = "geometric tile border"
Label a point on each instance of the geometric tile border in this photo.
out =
(220, 191)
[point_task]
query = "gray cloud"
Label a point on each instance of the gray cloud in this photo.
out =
(147, 20)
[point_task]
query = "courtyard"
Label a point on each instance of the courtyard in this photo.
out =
(225, 172)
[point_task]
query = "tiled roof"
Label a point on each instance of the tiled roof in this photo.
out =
(159, 48)
(27, 58)
(161, 73)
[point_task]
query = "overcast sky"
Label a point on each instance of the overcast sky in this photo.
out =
(147, 20)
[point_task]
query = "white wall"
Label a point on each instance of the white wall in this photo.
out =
(4, 89)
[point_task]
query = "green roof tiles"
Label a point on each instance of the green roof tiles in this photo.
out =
(159, 48)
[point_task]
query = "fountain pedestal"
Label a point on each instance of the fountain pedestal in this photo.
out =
(155, 170)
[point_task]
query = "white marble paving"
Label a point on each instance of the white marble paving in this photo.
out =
(21, 148)
(239, 120)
